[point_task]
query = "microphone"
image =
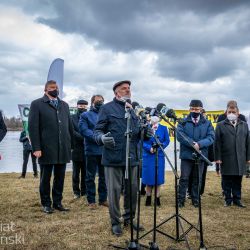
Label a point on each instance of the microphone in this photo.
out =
(164, 110)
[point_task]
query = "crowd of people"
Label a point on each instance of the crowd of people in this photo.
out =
(94, 138)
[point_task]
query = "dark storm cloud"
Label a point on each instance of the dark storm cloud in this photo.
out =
(182, 30)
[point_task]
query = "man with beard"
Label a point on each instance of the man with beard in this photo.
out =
(110, 132)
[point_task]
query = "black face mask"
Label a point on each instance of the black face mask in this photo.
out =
(81, 110)
(98, 105)
(54, 93)
(194, 114)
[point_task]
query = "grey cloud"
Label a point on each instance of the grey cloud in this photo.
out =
(200, 68)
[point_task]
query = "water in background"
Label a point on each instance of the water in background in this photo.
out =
(11, 151)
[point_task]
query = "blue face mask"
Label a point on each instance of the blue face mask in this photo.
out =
(194, 115)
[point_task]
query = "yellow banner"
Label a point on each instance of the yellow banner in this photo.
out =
(181, 113)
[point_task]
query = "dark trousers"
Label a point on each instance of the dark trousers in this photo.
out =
(188, 168)
(58, 183)
(79, 186)
(93, 162)
(26, 154)
(203, 181)
(232, 187)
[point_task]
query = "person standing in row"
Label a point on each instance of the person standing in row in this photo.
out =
(197, 131)
(51, 134)
(149, 155)
(110, 132)
(27, 151)
(3, 129)
(93, 154)
(78, 155)
(232, 153)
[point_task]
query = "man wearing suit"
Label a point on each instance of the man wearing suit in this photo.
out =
(51, 133)
(78, 156)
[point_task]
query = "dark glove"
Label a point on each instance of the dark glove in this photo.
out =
(108, 140)
(149, 132)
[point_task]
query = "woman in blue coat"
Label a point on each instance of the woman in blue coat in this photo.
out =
(148, 167)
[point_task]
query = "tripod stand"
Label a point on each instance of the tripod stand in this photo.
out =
(177, 216)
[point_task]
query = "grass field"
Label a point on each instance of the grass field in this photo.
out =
(22, 221)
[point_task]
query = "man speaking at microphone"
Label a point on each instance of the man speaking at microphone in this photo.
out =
(110, 132)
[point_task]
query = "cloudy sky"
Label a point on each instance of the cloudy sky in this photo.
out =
(172, 50)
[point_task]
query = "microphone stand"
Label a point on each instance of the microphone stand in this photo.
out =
(183, 236)
(197, 155)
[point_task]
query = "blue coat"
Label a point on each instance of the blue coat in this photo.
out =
(202, 133)
(148, 167)
(87, 124)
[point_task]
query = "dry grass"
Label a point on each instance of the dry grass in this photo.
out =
(85, 229)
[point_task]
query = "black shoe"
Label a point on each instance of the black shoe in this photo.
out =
(148, 201)
(195, 203)
(127, 223)
(48, 210)
(36, 175)
(61, 208)
(227, 204)
(181, 204)
(239, 204)
(117, 230)
(158, 202)
(21, 177)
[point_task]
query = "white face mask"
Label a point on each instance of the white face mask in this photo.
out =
(232, 117)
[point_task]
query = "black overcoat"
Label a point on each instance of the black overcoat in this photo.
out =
(78, 151)
(232, 147)
(50, 130)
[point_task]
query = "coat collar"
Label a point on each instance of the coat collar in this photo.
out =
(189, 119)
(45, 98)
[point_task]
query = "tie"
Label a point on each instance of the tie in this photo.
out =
(54, 102)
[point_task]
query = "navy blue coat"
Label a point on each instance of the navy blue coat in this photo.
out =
(202, 133)
(78, 151)
(24, 139)
(87, 124)
(112, 119)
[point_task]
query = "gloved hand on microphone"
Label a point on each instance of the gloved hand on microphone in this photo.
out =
(108, 140)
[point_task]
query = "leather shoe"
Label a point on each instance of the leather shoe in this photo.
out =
(61, 208)
(117, 230)
(48, 210)
(239, 204)
(104, 204)
(181, 204)
(195, 203)
(227, 204)
(127, 223)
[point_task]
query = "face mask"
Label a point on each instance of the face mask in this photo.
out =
(53, 93)
(194, 114)
(125, 99)
(98, 105)
(232, 117)
(81, 110)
